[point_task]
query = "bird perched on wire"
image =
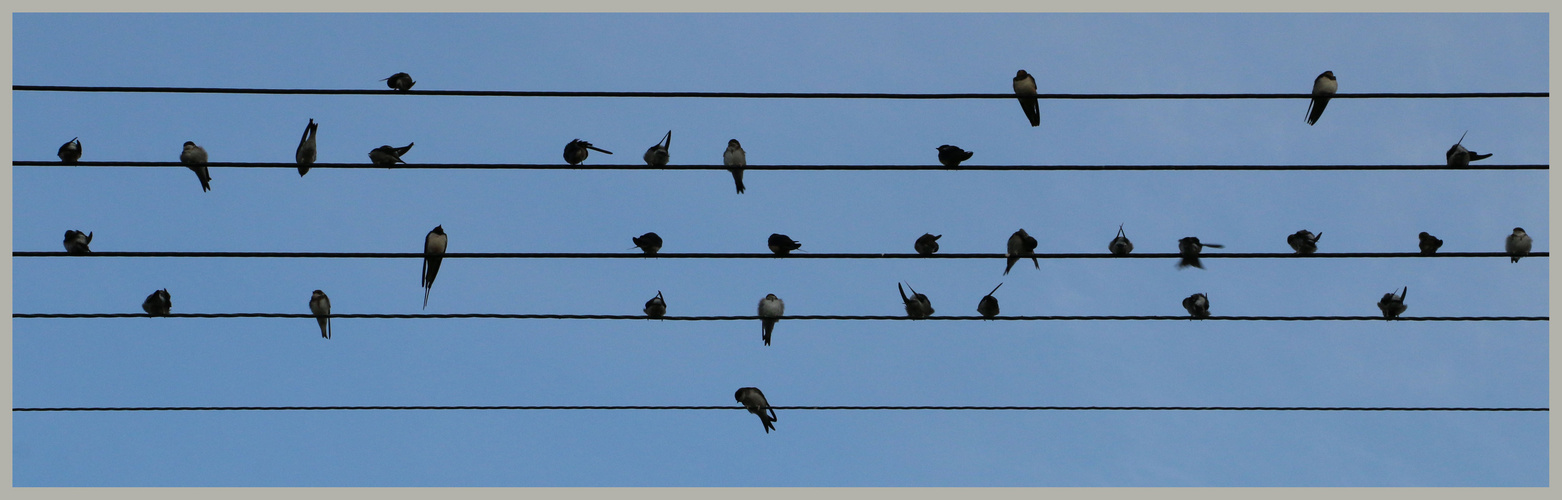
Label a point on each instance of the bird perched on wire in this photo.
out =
(1189, 248)
(386, 155)
(1304, 242)
(158, 303)
(927, 244)
(1429, 244)
(780, 244)
(735, 159)
(76, 242)
(1518, 243)
(577, 151)
(1197, 305)
(951, 156)
(1120, 245)
(320, 305)
(657, 306)
(1323, 87)
(649, 243)
(399, 81)
(988, 307)
(1021, 244)
(917, 305)
(194, 157)
(1025, 87)
(305, 154)
(771, 308)
(433, 251)
(1459, 157)
(755, 402)
(1393, 306)
(657, 156)
(70, 151)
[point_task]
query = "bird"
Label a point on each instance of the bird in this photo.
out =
(988, 307)
(433, 248)
(1197, 305)
(70, 151)
(321, 306)
(399, 81)
(755, 402)
(576, 151)
(1025, 86)
(1460, 157)
(76, 242)
(1324, 85)
(1120, 245)
(657, 306)
(951, 156)
(780, 244)
(1021, 244)
(158, 303)
(1393, 306)
(735, 157)
(1518, 243)
(195, 158)
(771, 308)
(650, 243)
(386, 155)
(1304, 242)
(917, 305)
(927, 244)
(305, 155)
(1189, 248)
(1429, 243)
(657, 156)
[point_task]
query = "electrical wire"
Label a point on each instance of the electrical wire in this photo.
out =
(755, 318)
(764, 95)
(709, 255)
(788, 408)
(998, 168)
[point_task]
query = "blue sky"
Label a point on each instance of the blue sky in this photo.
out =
(216, 362)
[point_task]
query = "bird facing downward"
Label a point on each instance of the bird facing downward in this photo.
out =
(780, 244)
(1304, 242)
(320, 305)
(927, 244)
(1189, 249)
(1025, 87)
(1020, 244)
(1197, 305)
(194, 157)
(399, 81)
(386, 155)
(988, 307)
(305, 154)
(433, 249)
(1120, 245)
(70, 151)
(76, 242)
(577, 151)
(1323, 87)
(1460, 157)
(1393, 306)
(649, 243)
(735, 157)
(1518, 244)
(917, 305)
(657, 306)
(771, 308)
(754, 401)
(1429, 243)
(951, 156)
(657, 156)
(158, 303)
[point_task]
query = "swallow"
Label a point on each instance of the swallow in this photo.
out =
(158, 303)
(1323, 86)
(76, 242)
(399, 81)
(1025, 85)
(1189, 248)
(988, 307)
(70, 151)
(755, 402)
(650, 243)
(657, 306)
(1120, 245)
(1197, 305)
(770, 310)
(1429, 243)
(951, 156)
(195, 158)
(433, 247)
(780, 244)
(1518, 244)
(576, 151)
(1460, 157)
(321, 306)
(734, 157)
(1304, 242)
(1393, 306)
(927, 244)
(917, 305)
(386, 155)
(1021, 244)
(657, 156)
(305, 155)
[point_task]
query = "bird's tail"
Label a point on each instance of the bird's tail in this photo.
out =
(1474, 156)
(737, 178)
(425, 296)
(1217, 245)
(1189, 261)
(1012, 260)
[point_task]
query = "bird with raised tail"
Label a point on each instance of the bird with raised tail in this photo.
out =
(755, 402)
(1189, 248)
(399, 81)
(649, 243)
(158, 303)
(305, 154)
(1120, 245)
(657, 156)
(1518, 244)
(1323, 87)
(927, 244)
(735, 159)
(1429, 244)
(1025, 87)
(1304, 242)
(781, 244)
(320, 305)
(76, 242)
(1197, 305)
(433, 253)
(951, 156)
(194, 157)
(70, 151)
(1021, 244)
(577, 151)
(988, 307)
(771, 308)
(917, 305)
(657, 306)
(386, 155)
(1393, 306)
(1459, 157)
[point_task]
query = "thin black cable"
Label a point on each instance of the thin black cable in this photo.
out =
(1003, 168)
(710, 255)
(650, 407)
(762, 95)
(754, 318)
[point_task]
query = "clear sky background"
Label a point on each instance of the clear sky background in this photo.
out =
(221, 362)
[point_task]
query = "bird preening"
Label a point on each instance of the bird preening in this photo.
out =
(158, 303)
(988, 307)
(433, 251)
(1459, 157)
(320, 305)
(1120, 245)
(657, 306)
(927, 244)
(951, 156)
(1518, 244)
(386, 155)
(1304, 242)
(1021, 244)
(771, 308)
(1197, 305)
(917, 305)
(649, 243)
(70, 151)
(1391, 305)
(1025, 87)
(399, 81)
(657, 156)
(76, 242)
(755, 402)
(1323, 87)
(1429, 244)
(194, 157)
(577, 151)
(305, 154)
(780, 244)
(1189, 248)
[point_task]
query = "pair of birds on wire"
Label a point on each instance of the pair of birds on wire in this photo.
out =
(734, 158)
(1391, 305)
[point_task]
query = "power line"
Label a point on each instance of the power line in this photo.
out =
(811, 408)
(708, 255)
(998, 168)
(762, 95)
(642, 317)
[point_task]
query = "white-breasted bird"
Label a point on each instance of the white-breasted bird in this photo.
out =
(1189, 249)
(387, 155)
(577, 151)
(399, 81)
(657, 156)
(1429, 244)
(1393, 306)
(76, 242)
(1197, 305)
(1460, 157)
(771, 308)
(1304, 242)
(927, 244)
(917, 305)
(1519, 244)
(1323, 87)
(781, 244)
(433, 250)
(755, 402)
(1025, 87)
(70, 151)
(951, 156)
(657, 306)
(194, 157)
(305, 154)
(158, 303)
(320, 305)
(1120, 245)
(735, 159)
(649, 243)
(1020, 244)
(988, 307)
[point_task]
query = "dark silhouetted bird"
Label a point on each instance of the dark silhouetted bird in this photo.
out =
(1120, 245)
(76, 242)
(771, 308)
(399, 81)
(988, 307)
(320, 305)
(1323, 87)
(70, 151)
(1189, 248)
(782, 245)
(1021, 244)
(158, 303)
(649, 243)
(657, 306)
(951, 156)
(305, 155)
(657, 156)
(1518, 243)
(917, 305)
(1460, 157)
(1304, 242)
(194, 157)
(386, 155)
(1025, 86)
(577, 151)
(433, 250)
(1393, 306)
(1197, 305)
(735, 157)
(927, 244)
(1429, 243)
(755, 402)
